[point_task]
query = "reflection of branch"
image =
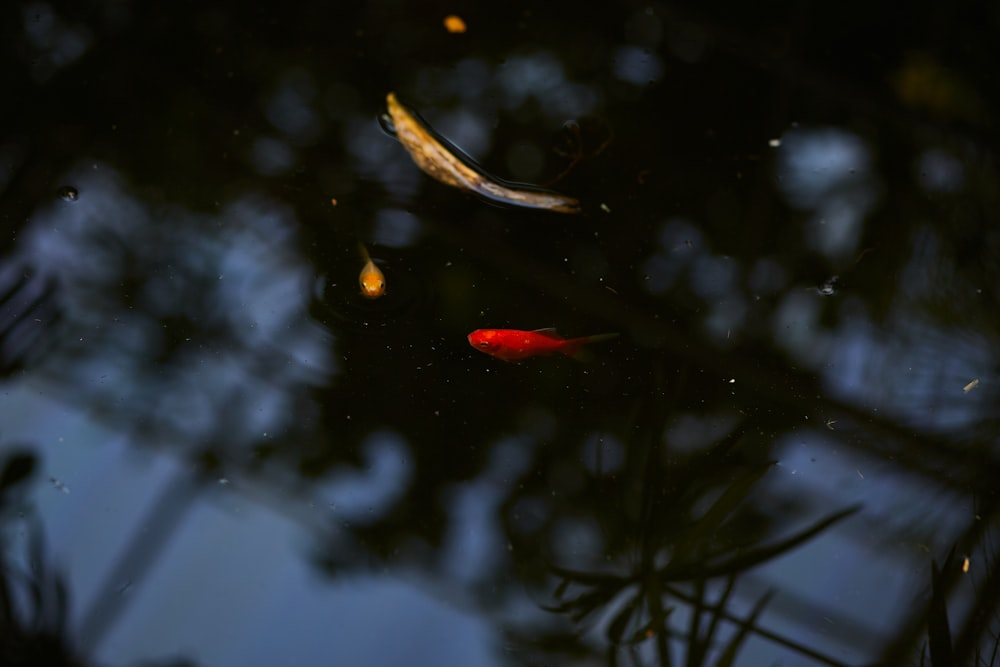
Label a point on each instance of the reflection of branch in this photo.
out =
(743, 562)
(652, 587)
(40, 638)
(759, 631)
(28, 311)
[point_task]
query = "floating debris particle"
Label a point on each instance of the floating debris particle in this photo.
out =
(59, 485)
(965, 564)
(972, 385)
(69, 193)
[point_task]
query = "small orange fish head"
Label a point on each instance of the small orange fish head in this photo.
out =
(372, 281)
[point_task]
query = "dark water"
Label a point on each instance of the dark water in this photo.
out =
(216, 452)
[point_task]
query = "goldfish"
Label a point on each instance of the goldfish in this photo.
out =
(371, 279)
(447, 164)
(515, 345)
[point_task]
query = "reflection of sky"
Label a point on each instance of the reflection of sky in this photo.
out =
(235, 275)
(57, 42)
(365, 497)
(828, 172)
(233, 586)
(233, 569)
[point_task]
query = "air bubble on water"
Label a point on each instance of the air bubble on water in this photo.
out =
(385, 122)
(69, 193)
(829, 288)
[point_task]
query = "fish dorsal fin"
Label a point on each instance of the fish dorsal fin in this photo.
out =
(549, 332)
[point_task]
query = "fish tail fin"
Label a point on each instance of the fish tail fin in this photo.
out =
(364, 252)
(599, 338)
(576, 347)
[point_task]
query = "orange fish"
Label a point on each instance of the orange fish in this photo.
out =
(514, 345)
(371, 279)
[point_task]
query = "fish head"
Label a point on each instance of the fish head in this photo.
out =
(485, 340)
(372, 282)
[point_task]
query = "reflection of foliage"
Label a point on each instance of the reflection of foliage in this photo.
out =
(682, 564)
(944, 649)
(28, 311)
(34, 600)
(33, 605)
(37, 637)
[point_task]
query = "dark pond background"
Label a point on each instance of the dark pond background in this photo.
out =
(215, 452)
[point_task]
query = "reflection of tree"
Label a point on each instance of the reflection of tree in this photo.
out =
(33, 599)
(161, 313)
(682, 555)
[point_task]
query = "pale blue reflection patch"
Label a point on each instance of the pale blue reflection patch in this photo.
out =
(692, 433)
(828, 171)
(474, 545)
(396, 228)
(576, 540)
(376, 156)
(796, 327)
(466, 80)
(528, 514)
(468, 131)
(680, 245)
(290, 107)
(816, 163)
(637, 66)
(271, 157)
(602, 453)
(365, 496)
(362, 621)
(939, 171)
(540, 76)
(530, 75)
(714, 277)
(57, 42)
(767, 277)
(219, 297)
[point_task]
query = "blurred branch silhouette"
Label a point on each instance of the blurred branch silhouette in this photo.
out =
(28, 313)
(33, 602)
(34, 598)
(683, 556)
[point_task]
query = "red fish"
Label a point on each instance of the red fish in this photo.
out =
(514, 345)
